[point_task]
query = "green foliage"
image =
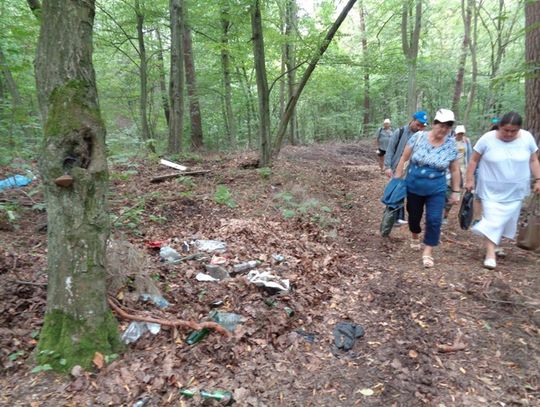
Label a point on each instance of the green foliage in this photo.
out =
(15, 355)
(224, 197)
(310, 208)
(265, 172)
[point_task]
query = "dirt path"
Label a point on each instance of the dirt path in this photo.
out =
(320, 210)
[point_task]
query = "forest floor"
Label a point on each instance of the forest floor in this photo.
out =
(319, 209)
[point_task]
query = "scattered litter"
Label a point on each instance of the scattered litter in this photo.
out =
(156, 244)
(216, 304)
(136, 329)
(248, 265)
(268, 280)
(211, 245)
(168, 254)
(205, 277)
(185, 247)
(271, 302)
(217, 272)
(143, 401)
(158, 300)
(227, 320)
(14, 182)
(173, 165)
(278, 258)
(308, 336)
(218, 260)
(289, 311)
(345, 334)
(197, 336)
(223, 396)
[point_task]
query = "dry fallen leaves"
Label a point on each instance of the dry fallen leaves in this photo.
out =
(98, 360)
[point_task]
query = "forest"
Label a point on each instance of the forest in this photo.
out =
(143, 128)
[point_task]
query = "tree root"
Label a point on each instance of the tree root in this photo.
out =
(165, 322)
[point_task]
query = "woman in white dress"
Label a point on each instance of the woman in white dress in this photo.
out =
(505, 157)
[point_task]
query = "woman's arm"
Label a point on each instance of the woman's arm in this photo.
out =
(404, 157)
(455, 182)
(469, 177)
(535, 170)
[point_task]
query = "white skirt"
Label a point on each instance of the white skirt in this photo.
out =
(498, 219)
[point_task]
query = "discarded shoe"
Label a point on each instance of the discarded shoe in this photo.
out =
(490, 264)
(427, 261)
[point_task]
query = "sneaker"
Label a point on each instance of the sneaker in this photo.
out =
(445, 221)
(401, 222)
(415, 244)
(490, 264)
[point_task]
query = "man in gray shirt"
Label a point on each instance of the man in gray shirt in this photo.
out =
(396, 145)
(399, 140)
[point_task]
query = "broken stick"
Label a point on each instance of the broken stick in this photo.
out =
(178, 174)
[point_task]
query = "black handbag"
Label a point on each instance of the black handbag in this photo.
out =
(466, 211)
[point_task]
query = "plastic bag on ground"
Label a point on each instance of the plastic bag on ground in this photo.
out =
(210, 245)
(227, 320)
(136, 329)
(345, 334)
(268, 280)
(158, 300)
(205, 277)
(168, 254)
(14, 182)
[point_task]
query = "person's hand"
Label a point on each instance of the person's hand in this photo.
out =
(454, 198)
(388, 172)
(469, 185)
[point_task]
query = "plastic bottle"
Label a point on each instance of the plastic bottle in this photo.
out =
(197, 336)
(187, 393)
(248, 265)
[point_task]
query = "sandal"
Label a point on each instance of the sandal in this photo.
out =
(427, 261)
(490, 264)
(415, 244)
(499, 252)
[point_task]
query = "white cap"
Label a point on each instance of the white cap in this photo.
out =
(460, 129)
(386, 121)
(444, 116)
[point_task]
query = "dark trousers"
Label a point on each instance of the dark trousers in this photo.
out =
(434, 205)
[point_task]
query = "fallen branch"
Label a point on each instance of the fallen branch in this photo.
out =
(178, 174)
(165, 322)
(456, 346)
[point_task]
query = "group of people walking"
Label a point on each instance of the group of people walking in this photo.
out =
(437, 164)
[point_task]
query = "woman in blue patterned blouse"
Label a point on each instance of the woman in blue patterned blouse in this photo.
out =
(431, 154)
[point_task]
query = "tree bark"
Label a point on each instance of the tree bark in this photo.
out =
(291, 18)
(191, 81)
(10, 83)
(262, 85)
(226, 66)
(78, 321)
(474, 64)
(176, 88)
(282, 127)
(143, 76)
(409, 44)
(532, 59)
(458, 88)
(364, 44)
(162, 80)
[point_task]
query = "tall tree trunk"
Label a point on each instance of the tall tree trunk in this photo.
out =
(474, 64)
(262, 85)
(466, 11)
(291, 19)
(143, 77)
(176, 88)
(226, 66)
(282, 127)
(77, 322)
(10, 83)
(191, 80)
(363, 34)
(409, 43)
(249, 98)
(532, 59)
(162, 79)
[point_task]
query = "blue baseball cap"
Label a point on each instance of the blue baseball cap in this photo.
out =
(495, 120)
(421, 116)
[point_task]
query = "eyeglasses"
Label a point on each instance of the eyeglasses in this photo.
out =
(446, 124)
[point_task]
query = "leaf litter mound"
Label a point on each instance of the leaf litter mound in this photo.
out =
(453, 335)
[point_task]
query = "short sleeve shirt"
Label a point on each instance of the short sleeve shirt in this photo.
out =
(504, 173)
(425, 154)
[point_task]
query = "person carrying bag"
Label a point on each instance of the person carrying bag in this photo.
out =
(529, 230)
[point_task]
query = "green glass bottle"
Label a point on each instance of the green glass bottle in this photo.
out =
(197, 336)
(224, 396)
(187, 393)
